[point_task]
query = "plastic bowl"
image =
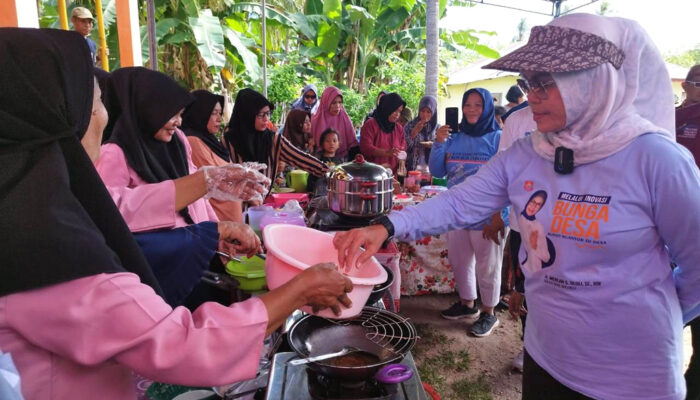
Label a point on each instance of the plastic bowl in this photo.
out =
(280, 199)
(292, 249)
(250, 273)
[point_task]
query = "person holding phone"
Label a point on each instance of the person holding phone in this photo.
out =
(475, 253)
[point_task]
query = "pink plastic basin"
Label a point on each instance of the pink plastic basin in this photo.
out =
(291, 249)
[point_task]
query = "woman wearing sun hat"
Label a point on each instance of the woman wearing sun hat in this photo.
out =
(605, 318)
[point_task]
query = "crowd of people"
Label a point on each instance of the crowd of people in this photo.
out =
(120, 191)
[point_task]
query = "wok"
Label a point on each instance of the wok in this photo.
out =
(385, 334)
(379, 290)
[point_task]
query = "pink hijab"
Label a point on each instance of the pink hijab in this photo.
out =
(341, 122)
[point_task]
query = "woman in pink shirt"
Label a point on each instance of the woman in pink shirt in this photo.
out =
(79, 308)
(146, 165)
(381, 138)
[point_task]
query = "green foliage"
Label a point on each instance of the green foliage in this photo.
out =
(687, 58)
(362, 46)
(285, 86)
(356, 105)
(403, 78)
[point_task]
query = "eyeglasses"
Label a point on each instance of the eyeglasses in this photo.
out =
(694, 84)
(263, 115)
(537, 86)
(309, 96)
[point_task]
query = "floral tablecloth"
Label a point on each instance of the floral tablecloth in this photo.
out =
(424, 265)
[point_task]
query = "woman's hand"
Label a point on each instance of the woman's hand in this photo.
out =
(495, 229)
(325, 287)
(416, 129)
(442, 134)
(238, 237)
(235, 182)
(349, 245)
(516, 302)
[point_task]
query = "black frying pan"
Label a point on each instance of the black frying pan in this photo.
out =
(389, 337)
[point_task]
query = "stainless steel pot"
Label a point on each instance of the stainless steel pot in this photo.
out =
(360, 188)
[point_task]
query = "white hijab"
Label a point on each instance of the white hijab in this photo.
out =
(607, 108)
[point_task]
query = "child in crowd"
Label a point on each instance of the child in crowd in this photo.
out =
(330, 142)
(329, 145)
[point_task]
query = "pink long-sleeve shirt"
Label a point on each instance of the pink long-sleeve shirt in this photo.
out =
(373, 138)
(83, 338)
(147, 206)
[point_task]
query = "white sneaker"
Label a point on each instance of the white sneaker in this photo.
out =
(517, 362)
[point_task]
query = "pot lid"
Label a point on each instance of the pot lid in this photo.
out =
(360, 169)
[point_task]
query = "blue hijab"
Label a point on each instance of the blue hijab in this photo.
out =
(487, 121)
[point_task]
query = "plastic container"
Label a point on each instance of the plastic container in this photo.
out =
(255, 215)
(282, 218)
(250, 273)
(292, 249)
(413, 178)
(279, 199)
(440, 181)
(432, 189)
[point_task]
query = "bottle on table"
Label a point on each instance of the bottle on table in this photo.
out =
(401, 170)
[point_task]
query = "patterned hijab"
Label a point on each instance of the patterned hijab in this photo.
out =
(627, 93)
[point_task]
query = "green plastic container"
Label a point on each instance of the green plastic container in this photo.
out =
(250, 273)
(439, 181)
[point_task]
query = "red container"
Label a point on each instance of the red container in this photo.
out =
(279, 199)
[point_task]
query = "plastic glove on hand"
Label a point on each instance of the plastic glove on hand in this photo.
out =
(235, 182)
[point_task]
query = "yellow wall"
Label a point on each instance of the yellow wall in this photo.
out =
(678, 92)
(498, 88)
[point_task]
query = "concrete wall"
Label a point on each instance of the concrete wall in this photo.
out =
(498, 88)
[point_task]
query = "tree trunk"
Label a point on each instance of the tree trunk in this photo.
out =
(353, 63)
(431, 48)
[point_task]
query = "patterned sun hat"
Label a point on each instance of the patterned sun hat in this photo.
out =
(559, 49)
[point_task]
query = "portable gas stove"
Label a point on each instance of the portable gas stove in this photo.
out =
(289, 382)
(324, 219)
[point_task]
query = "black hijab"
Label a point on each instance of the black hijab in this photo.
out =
(196, 118)
(58, 219)
(140, 102)
(389, 103)
(249, 144)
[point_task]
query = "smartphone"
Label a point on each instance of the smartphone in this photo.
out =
(452, 118)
